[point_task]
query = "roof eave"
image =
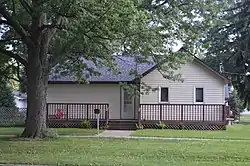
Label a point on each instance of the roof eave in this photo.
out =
(90, 82)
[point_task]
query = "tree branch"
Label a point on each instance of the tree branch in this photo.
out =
(6, 40)
(161, 4)
(3, 22)
(10, 20)
(7, 72)
(13, 7)
(56, 26)
(100, 18)
(26, 6)
(15, 56)
(11, 78)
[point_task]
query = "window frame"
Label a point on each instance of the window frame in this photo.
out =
(203, 95)
(159, 95)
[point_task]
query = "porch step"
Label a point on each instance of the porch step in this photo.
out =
(122, 125)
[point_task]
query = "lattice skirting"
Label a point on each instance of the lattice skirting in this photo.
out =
(68, 124)
(186, 126)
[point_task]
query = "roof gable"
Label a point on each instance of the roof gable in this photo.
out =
(125, 65)
(199, 61)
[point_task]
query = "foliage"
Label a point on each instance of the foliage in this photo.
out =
(86, 124)
(22, 81)
(139, 126)
(49, 133)
(59, 38)
(95, 30)
(161, 125)
(6, 69)
(10, 117)
(6, 97)
(228, 43)
(236, 105)
(104, 126)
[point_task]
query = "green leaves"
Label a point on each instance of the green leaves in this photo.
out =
(229, 41)
(100, 31)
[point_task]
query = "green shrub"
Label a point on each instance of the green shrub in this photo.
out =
(86, 124)
(104, 127)
(49, 133)
(139, 126)
(162, 125)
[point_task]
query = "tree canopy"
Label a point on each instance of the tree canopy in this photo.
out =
(228, 43)
(7, 70)
(61, 34)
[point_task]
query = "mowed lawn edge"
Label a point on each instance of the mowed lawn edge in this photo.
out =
(106, 151)
(234, 132)
(59, 131)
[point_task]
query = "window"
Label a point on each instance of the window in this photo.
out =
(164, 94)
(199, 95)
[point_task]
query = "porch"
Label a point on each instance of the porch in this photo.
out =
(175, 116)
(184, 116)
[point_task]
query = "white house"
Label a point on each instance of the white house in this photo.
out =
(20, 99)
(199, 98)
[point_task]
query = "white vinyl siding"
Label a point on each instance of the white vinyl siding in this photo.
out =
(83, 93)
(194, 75)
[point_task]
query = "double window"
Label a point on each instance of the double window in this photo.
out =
(163, 94)
(199, 95)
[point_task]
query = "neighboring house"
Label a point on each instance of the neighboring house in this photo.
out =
(198, 99)
(20, 99)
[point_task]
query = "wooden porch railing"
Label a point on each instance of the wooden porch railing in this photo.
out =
(77, 111)
(183, 112)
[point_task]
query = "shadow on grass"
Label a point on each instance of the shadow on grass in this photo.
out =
(244, 123)
(19, 138)
(7, 138)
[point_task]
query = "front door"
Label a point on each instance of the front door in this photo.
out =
(128, 106)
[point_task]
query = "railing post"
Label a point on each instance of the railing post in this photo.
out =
(182, 113)
(139, 115)
(203, 113)
(107, 115)
(160, 112)
(47, 115)
(224, 113)
(87, 111)
(67, 112)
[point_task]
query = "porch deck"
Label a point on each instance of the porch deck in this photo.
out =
(175, 116)
(184, 116)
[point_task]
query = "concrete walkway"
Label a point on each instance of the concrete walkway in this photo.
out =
(114, 133)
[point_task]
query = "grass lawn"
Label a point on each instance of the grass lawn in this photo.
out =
(60, 131)
(245, 118)
(107, 152)
(236, 131)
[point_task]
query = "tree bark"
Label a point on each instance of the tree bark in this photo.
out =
(36, 93)
(37, 78)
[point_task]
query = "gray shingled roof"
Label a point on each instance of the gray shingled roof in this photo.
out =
(124, 65)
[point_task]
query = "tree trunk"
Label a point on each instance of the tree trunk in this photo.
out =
(37, 77)
(37, 74)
